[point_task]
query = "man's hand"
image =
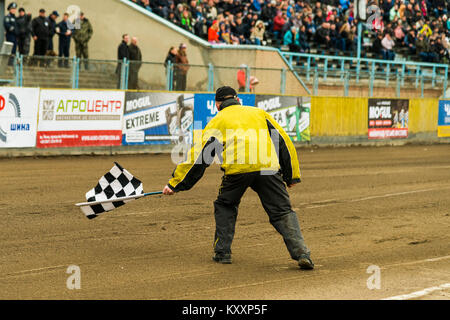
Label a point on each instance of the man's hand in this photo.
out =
(167, 191)
(291, 185)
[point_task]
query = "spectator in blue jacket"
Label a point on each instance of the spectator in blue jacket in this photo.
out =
(344, 4)
(303, 40)
(256, 6)
(291, 39)
(410, 41)
(64, 31)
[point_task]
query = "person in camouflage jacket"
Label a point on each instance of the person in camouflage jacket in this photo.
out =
(82, 37)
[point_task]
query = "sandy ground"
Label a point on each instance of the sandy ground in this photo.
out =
(382, 206)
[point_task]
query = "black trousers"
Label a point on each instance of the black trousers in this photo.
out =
(180, 82)
(12, 38)
(63, 51)
(23, 42)
(40, 47)
(274, 197)
(133, 78)
(50, 43)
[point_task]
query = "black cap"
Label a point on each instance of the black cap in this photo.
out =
(224, 93)
(12, 5)
(21, 10)
(41, 10)
(55, 13)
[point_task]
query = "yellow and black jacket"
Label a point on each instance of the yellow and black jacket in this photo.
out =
(245, 139)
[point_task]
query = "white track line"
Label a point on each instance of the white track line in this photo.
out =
(437, 259)
(370, 198)
(420, 293)
(33, 271)
(417, 261)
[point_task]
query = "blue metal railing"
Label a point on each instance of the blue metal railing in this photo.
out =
(309, 64)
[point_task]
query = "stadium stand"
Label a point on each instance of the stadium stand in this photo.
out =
(295, 44)
(415, 29)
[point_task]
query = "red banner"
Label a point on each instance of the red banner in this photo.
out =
(381, 133)
(84, 138)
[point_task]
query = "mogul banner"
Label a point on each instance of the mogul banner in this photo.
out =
(157, 118)
(292, 113)
(18, 117)
(388, 118)
(444, 118)
(73, 118)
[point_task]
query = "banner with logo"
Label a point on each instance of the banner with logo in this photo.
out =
(157, 118)
(292, 113)
(388, 118)
(444, 118)
(18, 117)
(74, 118)
(205, 107)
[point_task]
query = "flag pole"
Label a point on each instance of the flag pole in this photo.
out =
(137, 196)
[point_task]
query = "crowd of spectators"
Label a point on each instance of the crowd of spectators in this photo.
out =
(421, 28)
(418, 28)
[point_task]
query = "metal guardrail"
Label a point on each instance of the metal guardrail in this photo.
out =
(314, 66)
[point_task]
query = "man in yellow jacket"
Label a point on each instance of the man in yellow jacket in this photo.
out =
(255, 152)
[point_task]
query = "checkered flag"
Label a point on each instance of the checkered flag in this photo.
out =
(114, 189)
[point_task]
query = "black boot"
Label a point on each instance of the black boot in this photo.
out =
(224, 258)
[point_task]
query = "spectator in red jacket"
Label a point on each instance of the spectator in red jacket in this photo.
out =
(242, 77)
(213, 35)
(278, 23)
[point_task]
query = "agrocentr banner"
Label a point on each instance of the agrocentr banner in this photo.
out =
(72, 118)
(291, 112)
(157, 118)
(18, 117)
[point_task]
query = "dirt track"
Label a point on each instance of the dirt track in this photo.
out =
(386, 206)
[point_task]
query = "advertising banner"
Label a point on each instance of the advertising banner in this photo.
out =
(18, 117)
(292, 113)
(444, 118)
(205, 107)
(157, 118)
(388, 118)
(74, 118)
